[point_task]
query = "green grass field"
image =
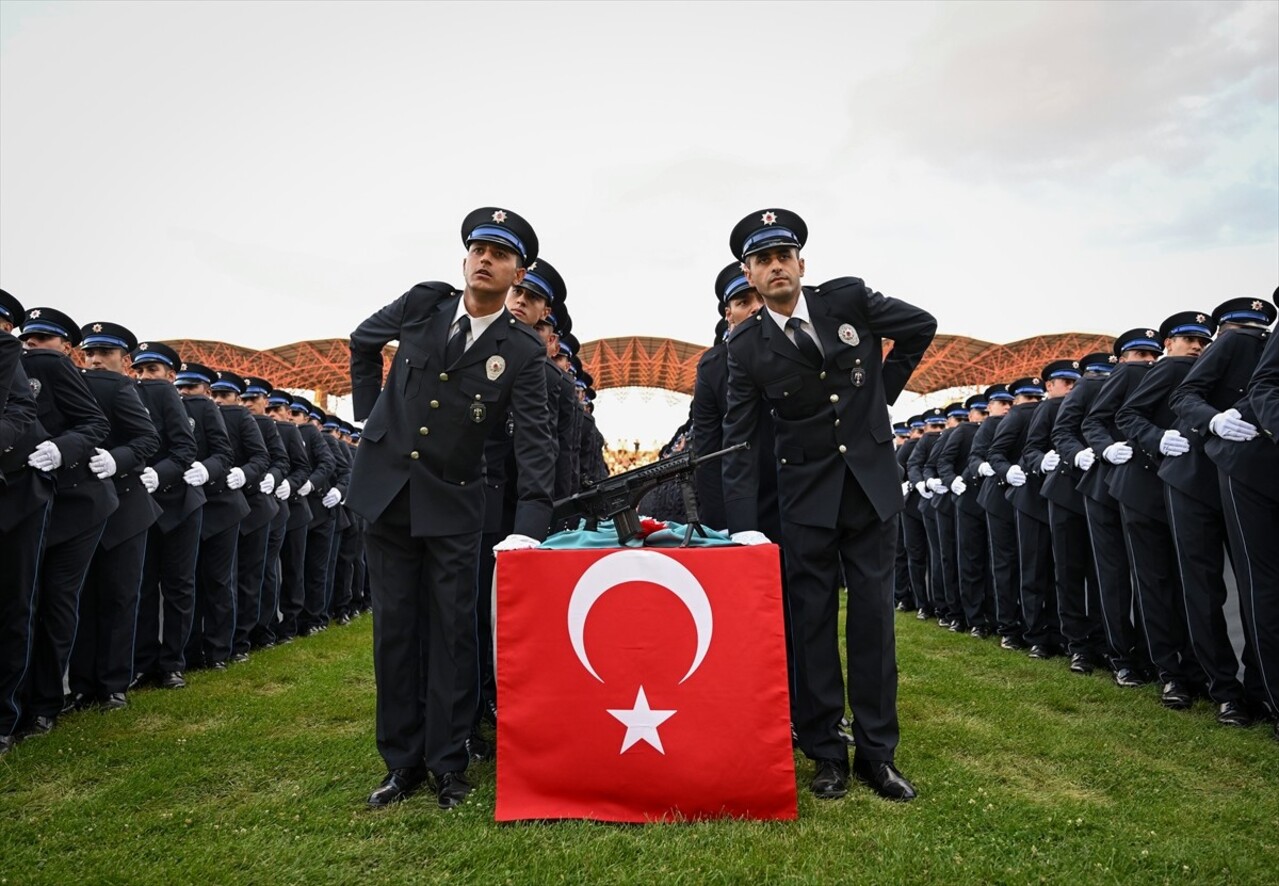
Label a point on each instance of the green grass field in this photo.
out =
(1027, 773)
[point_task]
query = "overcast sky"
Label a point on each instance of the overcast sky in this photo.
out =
(269, 172)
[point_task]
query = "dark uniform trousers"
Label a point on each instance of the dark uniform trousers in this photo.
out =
(1038, 594)
(166, 604)
(269, 603)
(948, 547)
(1252, 525)
(1078, 602)
(1141, 491)
(292, 581)
(28, 499)
(319, 549)
(102, 660)
(250, 578)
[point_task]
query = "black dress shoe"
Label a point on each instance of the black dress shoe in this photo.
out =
(79, 701)
(452, 789)
(923, 613)
(884, 779)
(1013, 643)
(344, 619)
(479, 748)
(173, 680)
(981, 633)
(1040, 652)
(1234, 713)
(6, 743)
(40, 724)
(217, 665)
(114, 701)
(1129, 678)
(398, 784)
(957, 626)
(240, 658)
(831, 780)
(1080, 664)
(1175, 696)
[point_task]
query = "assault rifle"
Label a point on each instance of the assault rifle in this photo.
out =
(616, 498)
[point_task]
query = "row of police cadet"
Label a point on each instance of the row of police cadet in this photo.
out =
(1089, 512)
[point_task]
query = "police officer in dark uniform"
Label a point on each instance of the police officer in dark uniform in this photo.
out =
(336, 599)
(168, 574)
(319, 532)
(912, 530)
(26, 496)
(102, 657)
(903, 595)
(815, 356)
(347, 596)
(1208, 401)
(260, 632)
(935, 593)
(67, 410)
(1261, 591)
(295, 489)
(255, 460)
(1001, 527)
(972, 552)
(563, 395)
(462, 360)
(944, 508)
(1148, 423)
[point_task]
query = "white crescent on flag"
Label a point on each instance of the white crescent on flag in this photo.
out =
(638, 565)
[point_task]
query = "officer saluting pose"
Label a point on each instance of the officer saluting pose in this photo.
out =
(418, 480)
(815, 355)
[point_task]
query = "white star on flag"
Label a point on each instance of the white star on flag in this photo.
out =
(641, 723)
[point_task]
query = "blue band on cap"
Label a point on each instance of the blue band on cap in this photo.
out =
(566, 350)
(1191, 329)
(194, 378)
(256, 389)
(917, 424)
(104, 341)
(579, 383)
(1029, 389)
(1001, 395)
(40, 326)
(901, 432)
(295, 406)
(278, 401)
(1233, 316)
(1143, 344)
(767, 237)
(318, 416)
(1066, 373)
(331, 425)
(224, 386)
(1099, 367)
(5, 312)
(960, 412)
(499, 234)
(736, 285)
(978, 404)
(152, 357)
(539, 284)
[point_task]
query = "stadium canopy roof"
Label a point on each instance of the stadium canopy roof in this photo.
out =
(323, 365)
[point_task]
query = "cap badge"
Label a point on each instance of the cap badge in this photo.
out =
(1035, 381)
(769, 217)
(533, 267)
(1074, 364)
(144, 346)
(1200, 318)
(184, 367)
(97, 327)
(495, 366)
(1256, 306)
(35, 314)
(499, 216)
(848, 335)
(1150, 333)
(1112, 359)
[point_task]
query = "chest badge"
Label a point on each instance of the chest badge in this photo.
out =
(35, 385)
(478, 412)
(857, 377)
(848, 335)
(495, 366)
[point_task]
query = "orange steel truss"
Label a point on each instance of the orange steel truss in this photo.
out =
(323, 365)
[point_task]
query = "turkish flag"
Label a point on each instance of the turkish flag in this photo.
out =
(642, 684)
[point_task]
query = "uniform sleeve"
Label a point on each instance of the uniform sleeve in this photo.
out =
(1189, 400)
(18, 412)
(947, 459)
(323, 464)
(1038, 438)
(221, 457)
(918, 456)
(911, 329)
(367, 342)
(134, 424)
(171, 415)
(740, 469)
(299, 461)
(535, 463)
(1067, 434)
(257, 459)
(1003, 447)
(1135, 417)
(87, 427)
(341, 466)
(1097, 424)
(708, 436)
(1263, 390)
(278, 457)
(981, 444)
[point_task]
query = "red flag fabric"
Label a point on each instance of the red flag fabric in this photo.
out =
(642, 684)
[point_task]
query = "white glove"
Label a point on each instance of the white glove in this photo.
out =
(1084, 458)
(1015, 476)
(267, 486)
(1172, 443)
(103, 464)
(283, 491)
(150, 479)
(958, 486)
(234, 478)
(1117, 453)
(905, 489)
(1229, 425)
(46, 457)
(196, 475)
(305, 488)
(333, 496)
(985, 469)
(1050, 461)
(513, 542)
(749, 537)
(922, 488)
(936, 486)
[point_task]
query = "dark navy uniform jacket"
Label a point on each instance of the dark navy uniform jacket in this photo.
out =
(952, 461)
(22, 488)
(1263, 391)
(991, 494)
(1006, 450)
(426, 428)
(77, 426)
(324, 468)
(223, 507)
(1100, 428)
(176, 452)
(915, 467)
(131, 441)
(299, 472)
(827, 420)
(250, 456)
(277, 466)
(1142, 419)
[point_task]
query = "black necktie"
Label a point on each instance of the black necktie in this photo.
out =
(804, 342)
(457, 344)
